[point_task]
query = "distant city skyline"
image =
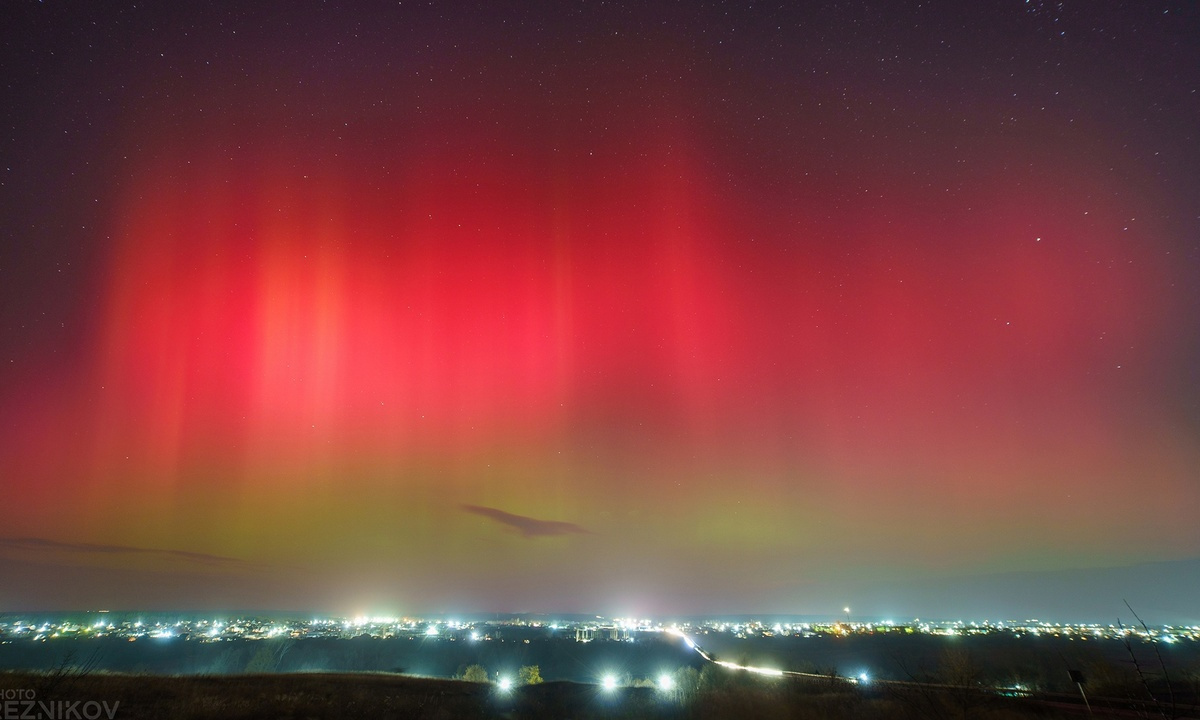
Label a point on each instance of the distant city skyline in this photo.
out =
(630, 308)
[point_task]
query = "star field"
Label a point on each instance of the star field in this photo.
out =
(650, 306)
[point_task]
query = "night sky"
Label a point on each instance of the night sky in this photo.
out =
(586, 306)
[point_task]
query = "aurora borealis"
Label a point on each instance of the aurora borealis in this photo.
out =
(645, 307)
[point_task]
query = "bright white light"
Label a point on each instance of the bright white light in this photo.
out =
(609, 682)
(771, 672)
(665, 683)
(431, 630)
(474, 635)
(863, 677)
(505, 684)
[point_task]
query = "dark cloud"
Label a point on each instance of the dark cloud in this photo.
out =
(529, 527)
(42, 545)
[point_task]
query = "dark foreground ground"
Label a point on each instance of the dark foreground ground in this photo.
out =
(367, 695)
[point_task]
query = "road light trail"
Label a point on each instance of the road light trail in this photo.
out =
(769, 672)
(1053, 700)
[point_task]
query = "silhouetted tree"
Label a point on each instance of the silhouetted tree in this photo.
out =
(475, 673)
(958, 670)
(529, 675)
(687, 682)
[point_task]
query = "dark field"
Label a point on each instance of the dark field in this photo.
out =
(911, 676)
(984, 677)
(366, 695)
(1001, 659)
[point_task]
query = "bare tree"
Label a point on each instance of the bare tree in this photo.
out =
(1142, 675)
(68, 671)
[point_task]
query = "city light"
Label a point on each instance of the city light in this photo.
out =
(604, 630)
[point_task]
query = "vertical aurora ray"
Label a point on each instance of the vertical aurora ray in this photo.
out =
(712, 327)
(288, 326)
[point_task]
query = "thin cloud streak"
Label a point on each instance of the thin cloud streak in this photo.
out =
(29, 544)
(527, 526)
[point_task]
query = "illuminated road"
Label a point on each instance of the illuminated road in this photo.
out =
(770, 672)
(1101, 707)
